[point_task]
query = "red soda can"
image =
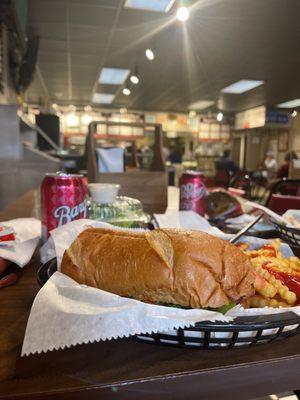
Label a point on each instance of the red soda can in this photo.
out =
(63, 199)
(192, 192)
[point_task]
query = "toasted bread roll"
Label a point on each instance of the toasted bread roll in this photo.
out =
(187, 268)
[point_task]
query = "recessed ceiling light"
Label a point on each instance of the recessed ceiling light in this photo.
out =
(242, 86)
(219, 116)
(54, 105)
(126, 91)
(201, 104)
(113, 76)
(103, 98)
(182, 14)
(134, 79)
(290, 104)
(149, 54)
(150, 5)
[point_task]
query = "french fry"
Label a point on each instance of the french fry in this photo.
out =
(260, 301)
(271, 291)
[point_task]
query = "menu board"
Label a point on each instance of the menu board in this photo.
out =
(210, 130)
(170, 122)
(253, 118)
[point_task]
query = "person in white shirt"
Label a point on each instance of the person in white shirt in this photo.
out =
(270, 165)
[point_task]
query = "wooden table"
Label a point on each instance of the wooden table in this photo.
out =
(124, 369)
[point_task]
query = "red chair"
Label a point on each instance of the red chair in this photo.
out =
(285, 186)
(222, 178)
(281, 203)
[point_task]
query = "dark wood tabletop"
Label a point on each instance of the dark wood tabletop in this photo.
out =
(124, 369)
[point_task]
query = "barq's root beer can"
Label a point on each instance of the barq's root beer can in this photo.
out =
(192, 192)
(63, 199)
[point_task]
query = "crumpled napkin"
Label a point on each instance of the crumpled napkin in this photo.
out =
(28, 234)
(65, 314)
(186, 220)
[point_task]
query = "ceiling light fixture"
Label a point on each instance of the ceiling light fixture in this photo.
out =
(113, 76)
(134, 79)
(103, 98)
(290, 104)
(88, 108)
(294, 114)
(220, 116)
(149, 54)
(72, 120)
(123, 110)
(242, 86)
(182, 14)
(54, 105)
(192, 114)
(86, 119)
(126, 91)
(150, 5)
(201, 104)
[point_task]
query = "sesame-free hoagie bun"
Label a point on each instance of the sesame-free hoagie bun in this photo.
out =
(186, 268)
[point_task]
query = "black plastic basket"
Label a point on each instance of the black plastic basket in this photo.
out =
(289, 235)
(243, 331)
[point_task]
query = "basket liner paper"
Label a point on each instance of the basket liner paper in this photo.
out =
(65, 313)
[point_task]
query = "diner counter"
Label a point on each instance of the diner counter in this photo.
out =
(124, 369)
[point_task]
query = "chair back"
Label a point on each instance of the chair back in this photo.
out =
(280, 203)
(288, 187)
(222, 178)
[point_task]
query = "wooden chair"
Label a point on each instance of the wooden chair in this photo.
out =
(148, 186)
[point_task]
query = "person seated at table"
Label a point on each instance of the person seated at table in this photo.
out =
(283, 171)
(225, 163)
(270, 165)
(176, 155)
(225, 169)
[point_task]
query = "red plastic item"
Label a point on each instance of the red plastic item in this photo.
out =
(6, 238)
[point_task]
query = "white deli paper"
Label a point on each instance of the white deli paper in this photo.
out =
(65, 313)
(28, 234)
(186, 220)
